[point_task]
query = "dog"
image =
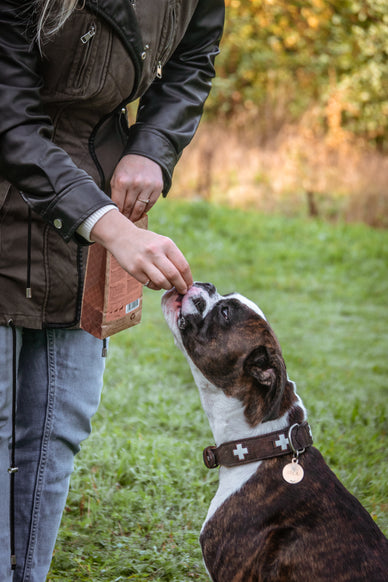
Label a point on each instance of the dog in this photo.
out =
(279, 514)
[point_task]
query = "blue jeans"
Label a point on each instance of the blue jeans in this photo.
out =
(59, 384)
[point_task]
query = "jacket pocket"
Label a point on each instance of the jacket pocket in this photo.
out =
(76, 61)
(83, 59)
(167, 39)
(160, 34)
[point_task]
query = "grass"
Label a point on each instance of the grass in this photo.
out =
(140, 492)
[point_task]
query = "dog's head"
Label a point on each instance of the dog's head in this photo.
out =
(229, 341)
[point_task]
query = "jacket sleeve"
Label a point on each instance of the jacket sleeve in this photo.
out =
(170, 110)
(51, 183)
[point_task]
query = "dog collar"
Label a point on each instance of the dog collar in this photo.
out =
(293, 439)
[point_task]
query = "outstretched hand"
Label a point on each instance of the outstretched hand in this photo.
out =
(151, 258)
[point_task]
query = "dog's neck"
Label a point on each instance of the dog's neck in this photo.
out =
(228, 422)
(227, 418)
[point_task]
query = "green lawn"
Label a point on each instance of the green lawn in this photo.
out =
(140, 490)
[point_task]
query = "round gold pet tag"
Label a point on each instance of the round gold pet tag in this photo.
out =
(293, 472)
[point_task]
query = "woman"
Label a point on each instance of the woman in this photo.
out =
(72, 173)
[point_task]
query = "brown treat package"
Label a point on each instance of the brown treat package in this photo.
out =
(112, 299)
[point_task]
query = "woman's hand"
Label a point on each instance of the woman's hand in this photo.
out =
(136, 184)
(151, 258)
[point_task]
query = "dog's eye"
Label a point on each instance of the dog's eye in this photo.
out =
(225, 312)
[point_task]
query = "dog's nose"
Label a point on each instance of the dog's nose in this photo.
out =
(211, 290)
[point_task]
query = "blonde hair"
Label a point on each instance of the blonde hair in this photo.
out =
(51, 15)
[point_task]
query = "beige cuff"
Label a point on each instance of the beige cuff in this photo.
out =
(85, 228)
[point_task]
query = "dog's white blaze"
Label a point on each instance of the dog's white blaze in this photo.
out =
(189, 307)
(225, 413)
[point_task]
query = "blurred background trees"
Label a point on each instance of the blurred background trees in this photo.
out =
(280, 58)
(297, 121)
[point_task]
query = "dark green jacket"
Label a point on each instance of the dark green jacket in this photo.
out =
(63, 129)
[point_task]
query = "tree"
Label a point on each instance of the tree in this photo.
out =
(280, 57)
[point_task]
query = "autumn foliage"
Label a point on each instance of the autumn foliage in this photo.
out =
(280, 58)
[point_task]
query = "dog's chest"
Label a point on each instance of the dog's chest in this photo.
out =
(272, 531)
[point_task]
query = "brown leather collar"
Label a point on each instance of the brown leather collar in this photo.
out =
(292, 439)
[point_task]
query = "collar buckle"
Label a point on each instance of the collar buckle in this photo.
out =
(209, 458)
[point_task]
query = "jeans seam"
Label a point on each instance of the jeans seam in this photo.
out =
(6, 422)
(40, 475)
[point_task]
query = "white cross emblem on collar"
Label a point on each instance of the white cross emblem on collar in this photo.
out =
(240, 452)
(282, 442)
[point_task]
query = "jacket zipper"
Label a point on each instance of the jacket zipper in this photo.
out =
(85, 39)
(162, 56)
(88, 35)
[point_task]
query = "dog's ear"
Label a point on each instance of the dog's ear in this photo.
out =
(266, 367)
(258, 366)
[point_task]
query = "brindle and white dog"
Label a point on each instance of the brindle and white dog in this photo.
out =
(279, 514)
